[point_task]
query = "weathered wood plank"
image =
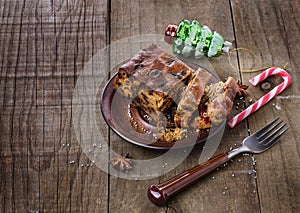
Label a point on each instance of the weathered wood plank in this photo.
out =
(45, 44)
(270, 29)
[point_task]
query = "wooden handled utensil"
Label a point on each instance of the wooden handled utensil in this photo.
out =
(258, 142)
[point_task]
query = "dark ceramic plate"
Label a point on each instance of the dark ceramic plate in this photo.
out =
(114, 109)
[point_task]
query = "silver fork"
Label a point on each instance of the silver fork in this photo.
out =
(258, 142)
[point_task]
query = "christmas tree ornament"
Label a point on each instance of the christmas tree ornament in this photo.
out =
(191, 39)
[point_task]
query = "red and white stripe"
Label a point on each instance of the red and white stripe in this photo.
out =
(267, 97)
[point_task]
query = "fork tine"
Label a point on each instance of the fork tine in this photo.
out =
(272, 134)
(265, 127)
(270, 143)
(264, 134)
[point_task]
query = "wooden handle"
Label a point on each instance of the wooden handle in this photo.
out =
(160, 193)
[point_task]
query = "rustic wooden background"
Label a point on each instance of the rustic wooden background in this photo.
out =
(44, 47)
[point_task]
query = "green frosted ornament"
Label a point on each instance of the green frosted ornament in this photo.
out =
(195, 32)
(207, 43)
(184, 29)
(203, 44)
(188, 49)
(205, 33)
(192, 39)
(216, 45)
(178, 45)
(199, 50)
(188, 41)
(206, 38)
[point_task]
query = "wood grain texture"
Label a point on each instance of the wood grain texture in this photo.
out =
(45, 45)
(269, 28)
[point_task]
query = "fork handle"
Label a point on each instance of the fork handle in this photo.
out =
(160, 193)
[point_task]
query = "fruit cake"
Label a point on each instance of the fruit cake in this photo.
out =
(175, 97)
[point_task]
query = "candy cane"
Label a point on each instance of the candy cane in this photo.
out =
(266, 98)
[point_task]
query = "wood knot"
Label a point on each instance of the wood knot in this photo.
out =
(265, 86)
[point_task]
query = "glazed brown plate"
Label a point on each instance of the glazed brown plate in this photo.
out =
(114, 108)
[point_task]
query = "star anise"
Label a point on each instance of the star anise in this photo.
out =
(122, 163)
(242, 89)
